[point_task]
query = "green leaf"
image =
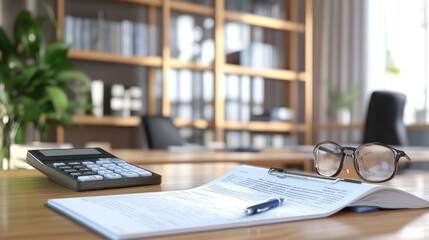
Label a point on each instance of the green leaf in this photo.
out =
(51, 14)
(76, 75)
(31, 109)
(28, 33)
(58, 98)
(6, 46)
(28, 74)
(55, 54)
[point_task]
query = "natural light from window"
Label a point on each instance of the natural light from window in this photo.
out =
(407, 55)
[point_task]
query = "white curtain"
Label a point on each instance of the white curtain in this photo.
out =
(341, 50)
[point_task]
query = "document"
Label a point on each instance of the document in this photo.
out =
(221, 204)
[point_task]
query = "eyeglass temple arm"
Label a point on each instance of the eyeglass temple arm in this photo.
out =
(326, 149)
(334, 152)
(403, 154)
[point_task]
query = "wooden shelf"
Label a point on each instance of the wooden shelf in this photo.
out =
(339, 126)
(135, 121)
(191, 8)
(198, 123)
(175, 63)
(278, 74)
(162, 10)
(279, 127)
(154, 3)
(150, 61)
(265, 22)
(114, 121)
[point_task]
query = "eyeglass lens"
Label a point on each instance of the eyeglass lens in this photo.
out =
(328, 159)
(373, 162)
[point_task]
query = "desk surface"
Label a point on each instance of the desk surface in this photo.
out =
(267, 158)
(24, 192)
(299, 156)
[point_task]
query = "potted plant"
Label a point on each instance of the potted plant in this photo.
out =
(37, 81)
(340, 104)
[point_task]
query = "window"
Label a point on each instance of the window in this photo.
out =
(406, 43)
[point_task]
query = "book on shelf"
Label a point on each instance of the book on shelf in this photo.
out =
(221, 204)
(124, 37)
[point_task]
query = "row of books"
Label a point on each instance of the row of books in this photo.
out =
(191, 94)
(272, 8)
(191, 97)
(124, 37)
(239, 139)
(245, 139)
(254, 46)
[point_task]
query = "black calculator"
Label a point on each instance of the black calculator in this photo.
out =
(84, 169)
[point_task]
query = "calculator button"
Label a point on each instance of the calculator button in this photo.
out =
(71, 170)
(85, 169)
(143, 173)
(103, 162)
(87, 162)
(95, 169)
(114, 167)
(129, 174)
(75, 174)
(102, 172)
(131, 168)
(125, 165)
(64, 167)
(119, 170)
(89, 178)
(74, 163)
(117, 160)
(106, 165)
(58, 164)
(92, 165)
(78, 167)
(88, 172)
(112, 176)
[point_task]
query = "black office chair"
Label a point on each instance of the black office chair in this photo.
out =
(161, 132)
(384, 121)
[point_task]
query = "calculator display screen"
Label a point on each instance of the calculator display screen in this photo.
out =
(70, 152)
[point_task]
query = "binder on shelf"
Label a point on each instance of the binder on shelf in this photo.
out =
(123, 101)
(114, 99)
(97, 95)
(221, 203)
(136, 101)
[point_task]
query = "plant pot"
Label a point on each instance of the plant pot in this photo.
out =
(7, 133)
(343, 116)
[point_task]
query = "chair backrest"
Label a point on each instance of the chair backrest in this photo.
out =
(384, 121)
(161, 132)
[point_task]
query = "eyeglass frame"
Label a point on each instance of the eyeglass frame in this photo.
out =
(398, 154)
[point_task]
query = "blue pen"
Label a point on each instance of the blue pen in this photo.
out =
(264, 206)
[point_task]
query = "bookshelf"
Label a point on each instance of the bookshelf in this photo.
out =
(163, 65)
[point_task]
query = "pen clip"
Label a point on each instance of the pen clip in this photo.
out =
(283, 173)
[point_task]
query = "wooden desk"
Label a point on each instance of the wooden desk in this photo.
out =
(24, 216)
(282, 158)
(267, 158)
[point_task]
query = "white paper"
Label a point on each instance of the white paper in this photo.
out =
(219, 204)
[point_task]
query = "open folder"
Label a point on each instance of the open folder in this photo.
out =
(221, 203)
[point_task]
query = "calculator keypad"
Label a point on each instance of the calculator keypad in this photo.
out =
(101, 169)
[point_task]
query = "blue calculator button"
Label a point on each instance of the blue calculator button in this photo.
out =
(89, 178)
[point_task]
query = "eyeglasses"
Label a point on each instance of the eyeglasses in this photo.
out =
(373, 162)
